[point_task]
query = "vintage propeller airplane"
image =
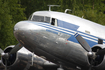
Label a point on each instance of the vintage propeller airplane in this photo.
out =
(64, 39)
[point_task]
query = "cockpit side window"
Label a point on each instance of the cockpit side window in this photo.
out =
(54, 22)
(47, 19)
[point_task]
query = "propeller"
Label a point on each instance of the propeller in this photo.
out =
(83, 43)
(6, 55)
(16, 48)
(92, 55)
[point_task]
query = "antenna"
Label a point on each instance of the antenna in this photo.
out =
(52, 6)
(67, 10)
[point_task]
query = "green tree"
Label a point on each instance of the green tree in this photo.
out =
(10, 13)
(16, 11)
(5, 23)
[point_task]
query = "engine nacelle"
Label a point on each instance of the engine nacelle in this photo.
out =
(100, 60)
(25, 60)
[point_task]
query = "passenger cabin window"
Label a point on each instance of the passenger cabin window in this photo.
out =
(100, 41)
(87, 31)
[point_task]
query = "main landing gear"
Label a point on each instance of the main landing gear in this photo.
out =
(60, 68)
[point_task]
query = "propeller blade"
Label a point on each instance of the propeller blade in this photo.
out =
(16, 48)
(1, 51)
(83, 43)
(5, 64)
(101, 52)
(91, 63)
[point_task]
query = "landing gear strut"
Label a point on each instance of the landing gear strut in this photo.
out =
(60, 68)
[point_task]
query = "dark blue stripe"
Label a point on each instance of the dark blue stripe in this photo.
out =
(50, 27)
(72, 38)
(67, 31)
(76, 34)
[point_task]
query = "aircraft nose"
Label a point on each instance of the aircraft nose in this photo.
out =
(26, 29)
(26, 25)
(19, 29)
(21, 26)
(27, 32)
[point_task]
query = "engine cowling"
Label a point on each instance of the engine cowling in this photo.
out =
(25, 60)
(99, 62)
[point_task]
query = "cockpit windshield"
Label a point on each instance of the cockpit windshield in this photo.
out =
(40, 18)
(30, 17)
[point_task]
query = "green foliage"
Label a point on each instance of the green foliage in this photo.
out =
(10, 13)
(16, 11)
(5, 23)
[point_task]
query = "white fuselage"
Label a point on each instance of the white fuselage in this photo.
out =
(85, 26)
